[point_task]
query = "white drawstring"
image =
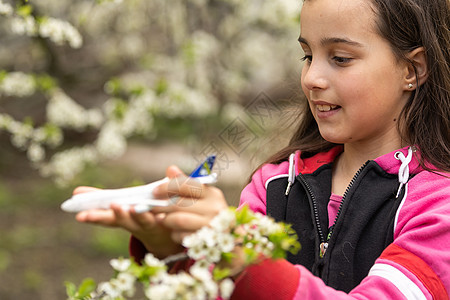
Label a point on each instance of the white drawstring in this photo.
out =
(291, 177)
(403, 171)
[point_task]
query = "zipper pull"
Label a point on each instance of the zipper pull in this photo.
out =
(323, 249)
(291, 177)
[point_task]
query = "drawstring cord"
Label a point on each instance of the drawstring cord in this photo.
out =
(291, 177)
(403, 171)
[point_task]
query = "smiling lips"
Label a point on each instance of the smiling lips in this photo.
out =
(324, 108)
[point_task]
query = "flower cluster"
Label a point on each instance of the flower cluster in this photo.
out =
(25, 137)
(210, 242)
(63, 111)
(17, 84)
(6, 9)
(208, 248)
(60, 32)
(23, 22)
(64, 165)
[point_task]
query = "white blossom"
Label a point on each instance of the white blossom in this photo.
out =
(20, 133)
(191, 241)
(213, 254)
(120, 265)
(125, 283)
(5, 9)
(223, 221)
(226, 288)
(185, 279)
(211, 288)
(225, 242)
(110, 289)
(39, 135)
(182, 101)
(198, 292)
(18, 84)
(137, 119)
(5, 121)
(111, 143)
(266, 225)
(24, 26)
(60, 32)
(95, 118)
(160, 292)
(35, 153)
(65, 165)
(52, 139)
(206, 235)
(63, 111)
(199, 272)
(197, 252)
(152, 261)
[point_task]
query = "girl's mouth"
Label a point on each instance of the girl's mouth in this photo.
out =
(325, 108)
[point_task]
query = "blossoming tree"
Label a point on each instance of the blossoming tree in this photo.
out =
(115, 69)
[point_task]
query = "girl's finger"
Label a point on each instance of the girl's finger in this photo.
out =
(124, 218)
(84, 189)
(180, 185)
(173, 171)
(146, 220)
(211, 204)
(100, 217)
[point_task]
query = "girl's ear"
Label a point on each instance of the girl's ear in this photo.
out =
(417, 69)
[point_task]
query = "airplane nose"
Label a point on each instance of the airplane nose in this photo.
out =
(68, 206)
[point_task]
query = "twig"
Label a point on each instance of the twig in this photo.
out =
(174, 258)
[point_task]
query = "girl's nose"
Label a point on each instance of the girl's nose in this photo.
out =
(313, 76)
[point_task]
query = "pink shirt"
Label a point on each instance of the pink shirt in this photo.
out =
(333, 207)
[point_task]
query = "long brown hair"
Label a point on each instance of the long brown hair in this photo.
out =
(425, 119)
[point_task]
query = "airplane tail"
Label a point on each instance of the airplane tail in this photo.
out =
(205, 168)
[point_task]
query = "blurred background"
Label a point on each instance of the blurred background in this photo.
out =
(110, 93)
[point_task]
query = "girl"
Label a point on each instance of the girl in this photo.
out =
(364, 180)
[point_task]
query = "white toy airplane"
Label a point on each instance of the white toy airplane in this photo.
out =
(141, 197)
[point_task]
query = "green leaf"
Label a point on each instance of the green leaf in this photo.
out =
(161, 86)
(228, 256)
(250, 255)
(219, 273)
(244, 215)
(86, 287)
(137, 90)
(113, 87)
(3, 74)
(24, 10)
(189, 53)
(45, 83)
(71, 289)
(120, 108)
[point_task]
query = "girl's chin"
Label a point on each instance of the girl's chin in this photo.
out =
(335, 138)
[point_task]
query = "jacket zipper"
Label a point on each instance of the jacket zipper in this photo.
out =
(315, 210)
(324, 242)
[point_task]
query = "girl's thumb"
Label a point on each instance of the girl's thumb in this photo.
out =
(173, 171)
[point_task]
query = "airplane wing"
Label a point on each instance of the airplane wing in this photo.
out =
(139, 196)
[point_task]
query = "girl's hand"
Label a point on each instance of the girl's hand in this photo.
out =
(194, 204)
(147, 227)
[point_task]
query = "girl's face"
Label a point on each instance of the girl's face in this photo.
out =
(354, 84)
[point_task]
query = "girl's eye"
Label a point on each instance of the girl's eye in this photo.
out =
(342, 60)
(307, 58)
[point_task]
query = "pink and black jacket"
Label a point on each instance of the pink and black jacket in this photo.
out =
(389, 238)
